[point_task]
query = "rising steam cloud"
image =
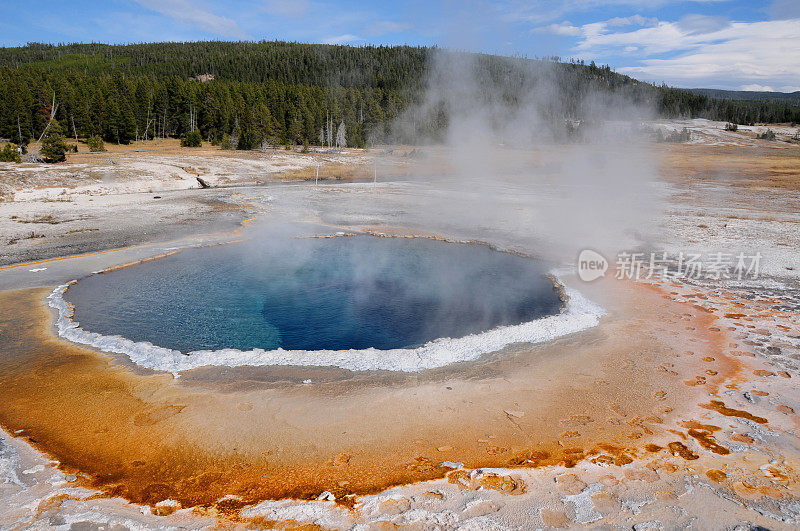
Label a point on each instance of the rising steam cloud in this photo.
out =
(507, 150)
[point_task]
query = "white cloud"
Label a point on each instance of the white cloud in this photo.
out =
(342, 39)
(757, 88)
(660, 38)
(193, 14)
(739, 53)
(702, 23)
(387, 26)
(544, 11)
(287, 8)
(564, 29)
(634, 20)
(785, 9)
(595, 28)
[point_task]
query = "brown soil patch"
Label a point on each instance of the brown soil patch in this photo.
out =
(678, 448)
(721, 408)
(327, 172)
(756, 167)
(716, 475)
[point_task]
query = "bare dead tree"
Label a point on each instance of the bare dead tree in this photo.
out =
(147, 122)
(330, 132)
(50, 121)
(341, 140)
(192, 118)
(74, 130)
(147, 129)
(235, 132)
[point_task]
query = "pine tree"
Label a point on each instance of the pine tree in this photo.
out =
(95, 143)
(54, 147)
(10, 153)
(226, 143)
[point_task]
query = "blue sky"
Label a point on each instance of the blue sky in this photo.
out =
(732, 44)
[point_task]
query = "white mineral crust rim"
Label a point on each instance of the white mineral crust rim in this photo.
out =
(578, 313)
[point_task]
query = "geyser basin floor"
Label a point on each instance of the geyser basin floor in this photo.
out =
(151, 437)
(77, 405)
(358, 303)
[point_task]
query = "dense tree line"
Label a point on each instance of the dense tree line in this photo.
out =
(121, 108)
(676, 102)
(752, 95)
(281, 92)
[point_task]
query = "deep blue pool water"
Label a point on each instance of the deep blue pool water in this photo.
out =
(313, 294)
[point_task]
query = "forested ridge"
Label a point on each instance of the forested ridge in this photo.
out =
(279, 92)
(752, 95)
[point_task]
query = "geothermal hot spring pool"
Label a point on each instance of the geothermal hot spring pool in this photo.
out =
(314, 294)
